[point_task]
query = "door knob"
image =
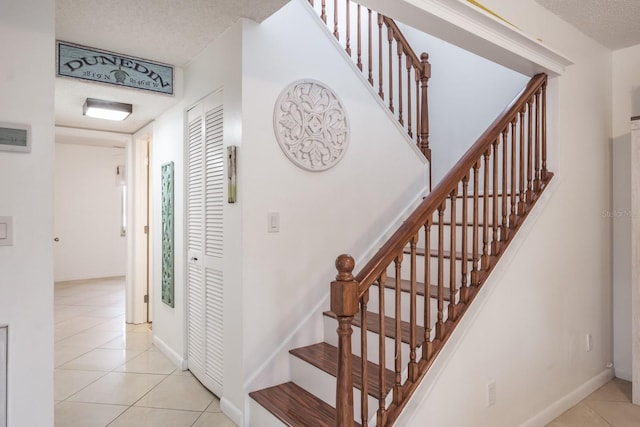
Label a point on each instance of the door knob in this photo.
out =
(194, 259)
(56, 239)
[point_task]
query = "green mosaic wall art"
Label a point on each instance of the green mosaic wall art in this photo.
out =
(167, 235)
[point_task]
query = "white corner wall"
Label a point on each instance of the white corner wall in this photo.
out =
(26, 193)
(626, 103)
(529, 336)
(466, 93)
(345, 209)
(88, 213)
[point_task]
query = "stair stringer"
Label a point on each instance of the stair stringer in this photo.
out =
(429, 383)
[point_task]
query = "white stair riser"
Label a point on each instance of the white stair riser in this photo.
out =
(331, 337)
(323, 386)
(390, 304)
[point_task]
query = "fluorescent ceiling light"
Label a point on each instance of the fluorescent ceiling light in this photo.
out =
(106, 109)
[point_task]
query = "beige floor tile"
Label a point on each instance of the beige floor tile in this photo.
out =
(66, 353)
(89, 338)
(214, 406)
(76, 414)
(116, 324)
(208, 419)
(178, 392)
(67, 382)
(618, 414)
(107, 312)
(101, 359)
(151, 417)
(74, 326)
(615, 390)
(131, 340)
(118, 388)
(182, 373)
(580, 415)
(149, 362)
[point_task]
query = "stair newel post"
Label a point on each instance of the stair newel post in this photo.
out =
(344, 304)
(424, 109)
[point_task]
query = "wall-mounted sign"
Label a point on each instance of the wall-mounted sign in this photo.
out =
(101, 66)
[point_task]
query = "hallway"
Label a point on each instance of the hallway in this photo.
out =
(108, 373)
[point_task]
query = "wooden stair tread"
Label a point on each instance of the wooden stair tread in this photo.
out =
(405, 286)
(324, 356)
(295, 406)
(373, 325)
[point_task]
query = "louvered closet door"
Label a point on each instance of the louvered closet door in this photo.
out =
(205, 199)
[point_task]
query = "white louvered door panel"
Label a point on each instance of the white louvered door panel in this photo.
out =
(205, 226)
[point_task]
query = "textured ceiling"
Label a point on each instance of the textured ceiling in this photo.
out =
(613, 23)
(169, 31)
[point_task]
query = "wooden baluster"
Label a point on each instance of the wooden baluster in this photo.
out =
(513, 218)
(311, 3)
(413, 366)
(544, 131)
(485, 212)
(370, 31)
(427, 347)
(464, 286)
(536, 182)
(424, 109)
(530, 154)
(382, 348)
(359, 63)
(397, 388)
(504, 230)
(364, 401)
(400, 73)
(453, 310)
(390, 40)
(348, 17)
(440, 322)
(380, 75)
(409, 129)
(495, 243)
(323, 13)
(416, 75)
(335, 20)
(344, 304)
(521, 167)
(475, 257)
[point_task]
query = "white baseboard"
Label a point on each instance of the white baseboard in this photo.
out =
(231, 411)
(554, 410)
(177, 360)
(104, 276)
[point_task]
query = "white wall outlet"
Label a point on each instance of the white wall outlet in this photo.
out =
(589, 342)
(491, 393)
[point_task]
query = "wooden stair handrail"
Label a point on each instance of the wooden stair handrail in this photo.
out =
(385, 255)
(399, 37)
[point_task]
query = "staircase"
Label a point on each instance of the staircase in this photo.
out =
(395, 315)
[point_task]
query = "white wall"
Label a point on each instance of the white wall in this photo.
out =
(529, 336)
(626, 103)
(88, 212)
(466, 93)
(345, 209)
(26, 193)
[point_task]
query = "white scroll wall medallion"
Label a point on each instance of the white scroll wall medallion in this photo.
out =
(311, 125)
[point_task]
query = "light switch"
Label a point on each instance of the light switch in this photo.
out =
(273, 222)
(6, 231)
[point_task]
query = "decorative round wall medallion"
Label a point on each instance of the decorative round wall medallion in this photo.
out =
(311, 125)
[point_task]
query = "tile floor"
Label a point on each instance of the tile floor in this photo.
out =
(108, 373)
(609, 406)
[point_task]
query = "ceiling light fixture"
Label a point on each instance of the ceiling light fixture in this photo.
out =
(107, 110)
